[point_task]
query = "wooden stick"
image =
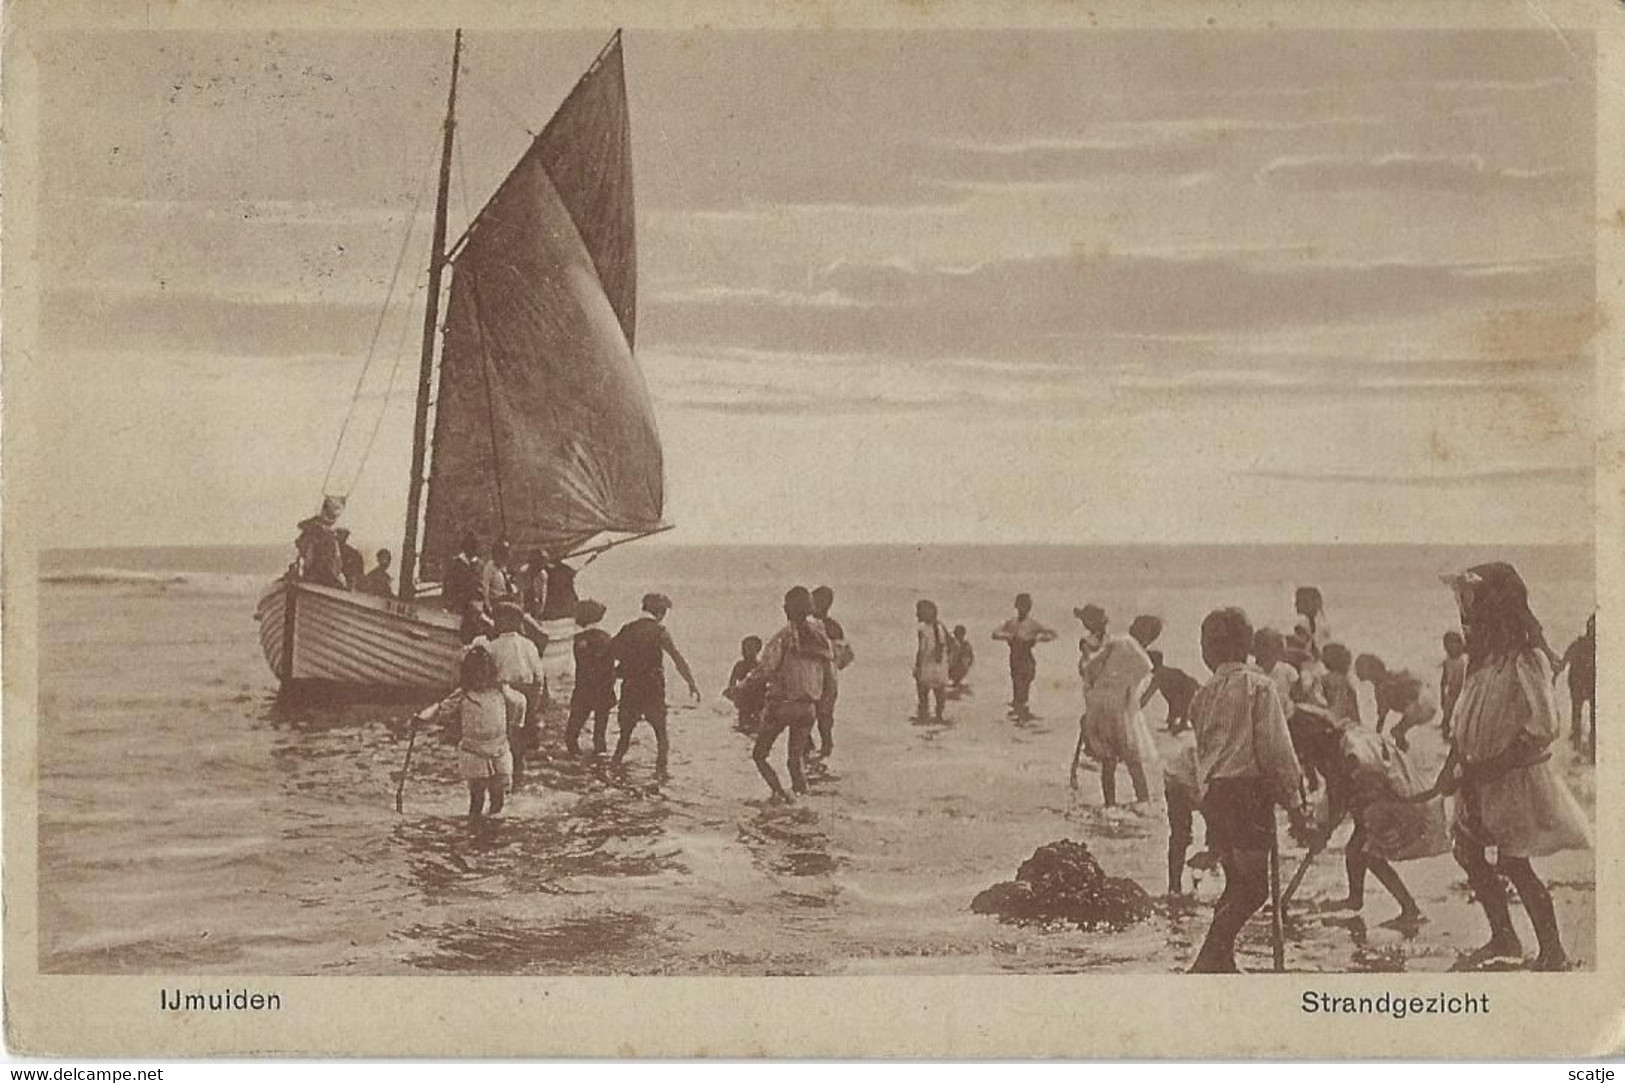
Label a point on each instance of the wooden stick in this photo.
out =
(1297, 877)
(1077, 754)
(411, 740)
(1277, 931)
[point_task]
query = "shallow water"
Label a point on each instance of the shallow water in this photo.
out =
(191, 820)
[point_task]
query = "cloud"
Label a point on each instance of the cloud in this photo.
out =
(1458, 173)
(1565, 475)
(184, 322)
(704, 295)
(1041, 308)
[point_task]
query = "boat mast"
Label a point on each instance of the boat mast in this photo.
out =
(431, 319)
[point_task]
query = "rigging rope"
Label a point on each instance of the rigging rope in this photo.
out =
(372, 345)
(389, 388)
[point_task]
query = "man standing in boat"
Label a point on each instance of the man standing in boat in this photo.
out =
(462, 582)
(320, 560)
(495, 583)
(640, 650)
(378, 580)
(560, 598)
(351, 562)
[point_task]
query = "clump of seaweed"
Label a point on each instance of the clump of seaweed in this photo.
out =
(1062, 881)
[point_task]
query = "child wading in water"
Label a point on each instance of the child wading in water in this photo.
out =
(1244, 756)
(930, 660)
(961, 656)
(1177, 688)
(1508, 793)
(1182, 788)
(747, 698)
(486, 712)
(1369, 779)
(1022, 633)
(1396, 693)
(795, 666)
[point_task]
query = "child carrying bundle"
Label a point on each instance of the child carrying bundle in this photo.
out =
(1375, 784)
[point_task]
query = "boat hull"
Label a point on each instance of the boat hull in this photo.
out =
(312, 633)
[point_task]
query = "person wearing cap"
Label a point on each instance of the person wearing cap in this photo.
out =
(1509, 794)
(795, 667)
(594, 692)
(351, 562)
(1021, 633)
(640, 649)
(519, 667)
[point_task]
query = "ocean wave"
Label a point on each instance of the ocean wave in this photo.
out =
(203, 582)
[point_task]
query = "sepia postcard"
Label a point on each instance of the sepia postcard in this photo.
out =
(827, 529)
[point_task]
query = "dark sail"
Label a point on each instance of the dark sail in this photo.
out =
(544, 433)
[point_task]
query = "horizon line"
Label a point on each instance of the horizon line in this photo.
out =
(1335, 543)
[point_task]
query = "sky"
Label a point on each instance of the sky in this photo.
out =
(915, 286)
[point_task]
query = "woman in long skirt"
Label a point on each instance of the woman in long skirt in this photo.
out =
(1508, 793)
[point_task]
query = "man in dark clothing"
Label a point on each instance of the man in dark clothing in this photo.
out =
(822, 599)
(351, 562)
(462, 579)
(1177, 688)
(594, 691)
(640, 650)
(1581, 662)
(378, 581)
(320, 560)
(560, 600)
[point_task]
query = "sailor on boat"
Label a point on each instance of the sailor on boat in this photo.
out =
(533, 422)
(378, 580)
(351, 562)
(495, 584)
(462, 584)
(320, 558)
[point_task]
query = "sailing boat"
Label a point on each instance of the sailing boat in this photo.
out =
(543, 432)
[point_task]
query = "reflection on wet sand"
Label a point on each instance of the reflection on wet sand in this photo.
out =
(505, 946)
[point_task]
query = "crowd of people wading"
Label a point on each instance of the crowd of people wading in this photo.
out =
(1277, 723)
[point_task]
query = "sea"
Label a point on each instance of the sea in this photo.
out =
(194, 820)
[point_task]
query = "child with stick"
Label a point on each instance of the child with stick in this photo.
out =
(1245, 760)
(486, 712)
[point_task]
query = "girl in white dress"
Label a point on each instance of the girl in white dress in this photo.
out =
(1508, 793)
